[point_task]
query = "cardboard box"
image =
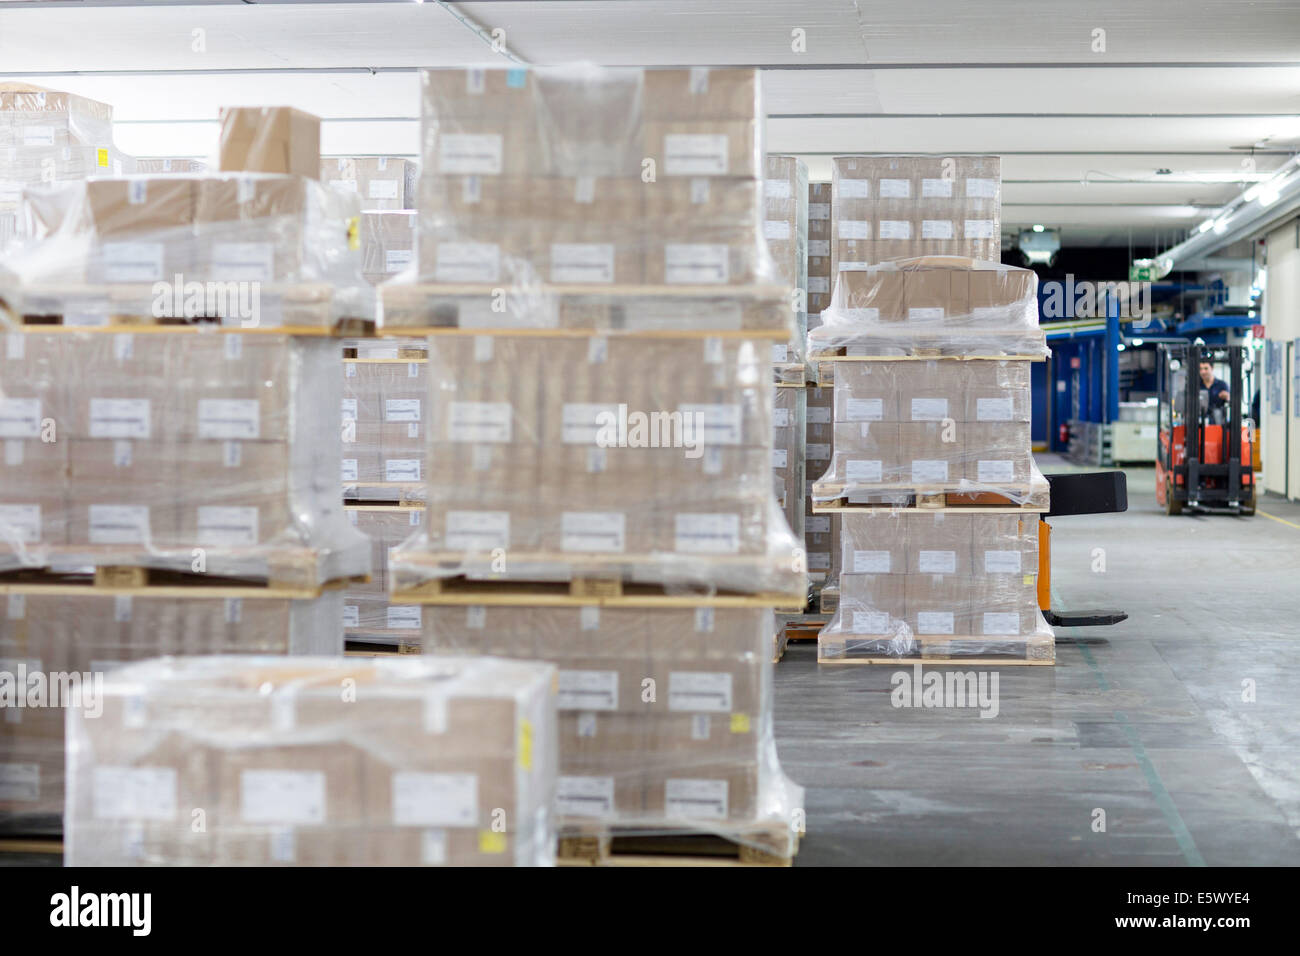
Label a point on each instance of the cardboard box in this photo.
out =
(387, 243)
(700, 93)
(478, 229)
(708, 148)
(380, 182)
(872, 604)
(142, 227)
(926, 458)
(938, 604)
(997, 392)
(927, 295)
(874, 544)
(602, 766)
(121, 493)
(236, 494)
(994, 293)
(867, 453)
(939, 545)
(1004, 545)
(930, 391)
(997, 453)
(269, 139)
(591, 231)
(876, 295)
(868, 391)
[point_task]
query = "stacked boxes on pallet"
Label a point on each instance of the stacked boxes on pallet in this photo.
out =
(931, 411)
(629, 460)
(426, 762)
(210, 457)
(819, 250)
(788, 463)
(385, 188)
(785, 225)
(823, 554)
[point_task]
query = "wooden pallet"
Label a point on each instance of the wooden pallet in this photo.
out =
(404, 495)
(740, 311)
(368, 647)
(937, 650)
(579, 591)
(922, 355)
(931, 498)
(779, 643)
(290, 581)
(803, 631)
(618, 846)
(791, 375)
(31, 846)
(406, 355)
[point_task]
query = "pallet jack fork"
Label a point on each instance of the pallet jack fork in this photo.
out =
(1091, 493)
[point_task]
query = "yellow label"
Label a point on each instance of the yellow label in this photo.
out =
(1029, 580)
(102, 158)
(490, 841)
(526, 744)
(740, 723)
(354, 232)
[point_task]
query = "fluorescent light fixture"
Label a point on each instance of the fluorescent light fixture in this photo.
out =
(1205, 226)
(1038, 228)
(1221, 224)
(1137, 343)
(1268, 195)
(1120, 346)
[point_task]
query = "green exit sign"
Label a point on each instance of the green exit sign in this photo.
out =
(1138, 273)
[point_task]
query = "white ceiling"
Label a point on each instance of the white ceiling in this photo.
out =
(1188, 86)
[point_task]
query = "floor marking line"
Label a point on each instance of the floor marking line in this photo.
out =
(1276, 518)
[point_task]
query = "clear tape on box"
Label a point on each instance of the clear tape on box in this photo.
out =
(931, 426)
(932, 305)
(587, 197)
(209, 454)
(646, 460)
(246, 249)
(785, 226)
(962, 584)
(316, 761)
(48, 136)
(386, 416)
(73, 640)
(665, 715)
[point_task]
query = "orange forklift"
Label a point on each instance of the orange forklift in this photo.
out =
(1203, 453)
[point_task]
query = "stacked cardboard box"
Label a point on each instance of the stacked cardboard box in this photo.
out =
(890, 207)
(369, 617)
(387, 244)
(789, 419)
(819, 250)
(50, 137)
(87, 636)
(414, 762)
(386, 415)
(820, 530)
(380, 182)
(785, 226)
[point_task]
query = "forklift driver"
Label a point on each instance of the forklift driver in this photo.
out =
(1217, 387)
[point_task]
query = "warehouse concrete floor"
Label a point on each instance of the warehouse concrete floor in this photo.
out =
(1144, 720)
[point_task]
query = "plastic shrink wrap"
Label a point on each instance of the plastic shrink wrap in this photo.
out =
(819, 251)
(665, 715)
(381, 183)
(785, 226)
(316, 761)
(590, 198)
(246, 249)
(215, 454)
(940, 585)
(386, 413)
(52, 644)
(788, 457)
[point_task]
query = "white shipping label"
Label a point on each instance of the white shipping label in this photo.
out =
(1001, 562)
(467, 262)
(936, 188)
(433, 847)
(895, 189)
(696, 799)
(817, 451)
(294, 797)
(119, 524)
(817, 524)
(601, 531)
(821, 415)
(119, 418)
(700, 691)
(1001, 623)
(777, 189)
(819, 210)
(435, 799)
(707, 533)
(587, 690)
(582, 262)
(395, 260)
(349, 472)
(695, 263)
(864, 410)
(776, 229)
(871, 562)
(780, 457)
(20, 782)
(383, 188)
(11, 191)
(995, 471)
(401, 469)
(227, 526)
(15, 342)
(936, 229)
(349, 407)
(870, 622)
(854, 189)
(929, 471)
(403, 617)
(243, 261)
(478, 530)
(351, 616)
(401, 410)
(470, 154)
(979, 229)
(937, 562)
(478, 421)
(895, 229)
(779, 352)
(20, 417)
(722, 424)
(981, 188)
(818, 249)
(780, 418)
(20, 523)
(993, 409)
(929, 409)
(585, 796)
(230, 419)
(696, 154)
(38, 135)
(931, 314)
(934, 622)
(863, 470)
(134, 793)
(819, 560)
(347, 185)
(132, 261)
(582, 423)
(819, 285)
(855, 229)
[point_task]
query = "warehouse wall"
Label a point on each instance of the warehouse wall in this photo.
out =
(1281, 435)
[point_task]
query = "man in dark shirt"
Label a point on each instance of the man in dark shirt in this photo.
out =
(1217, 387)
